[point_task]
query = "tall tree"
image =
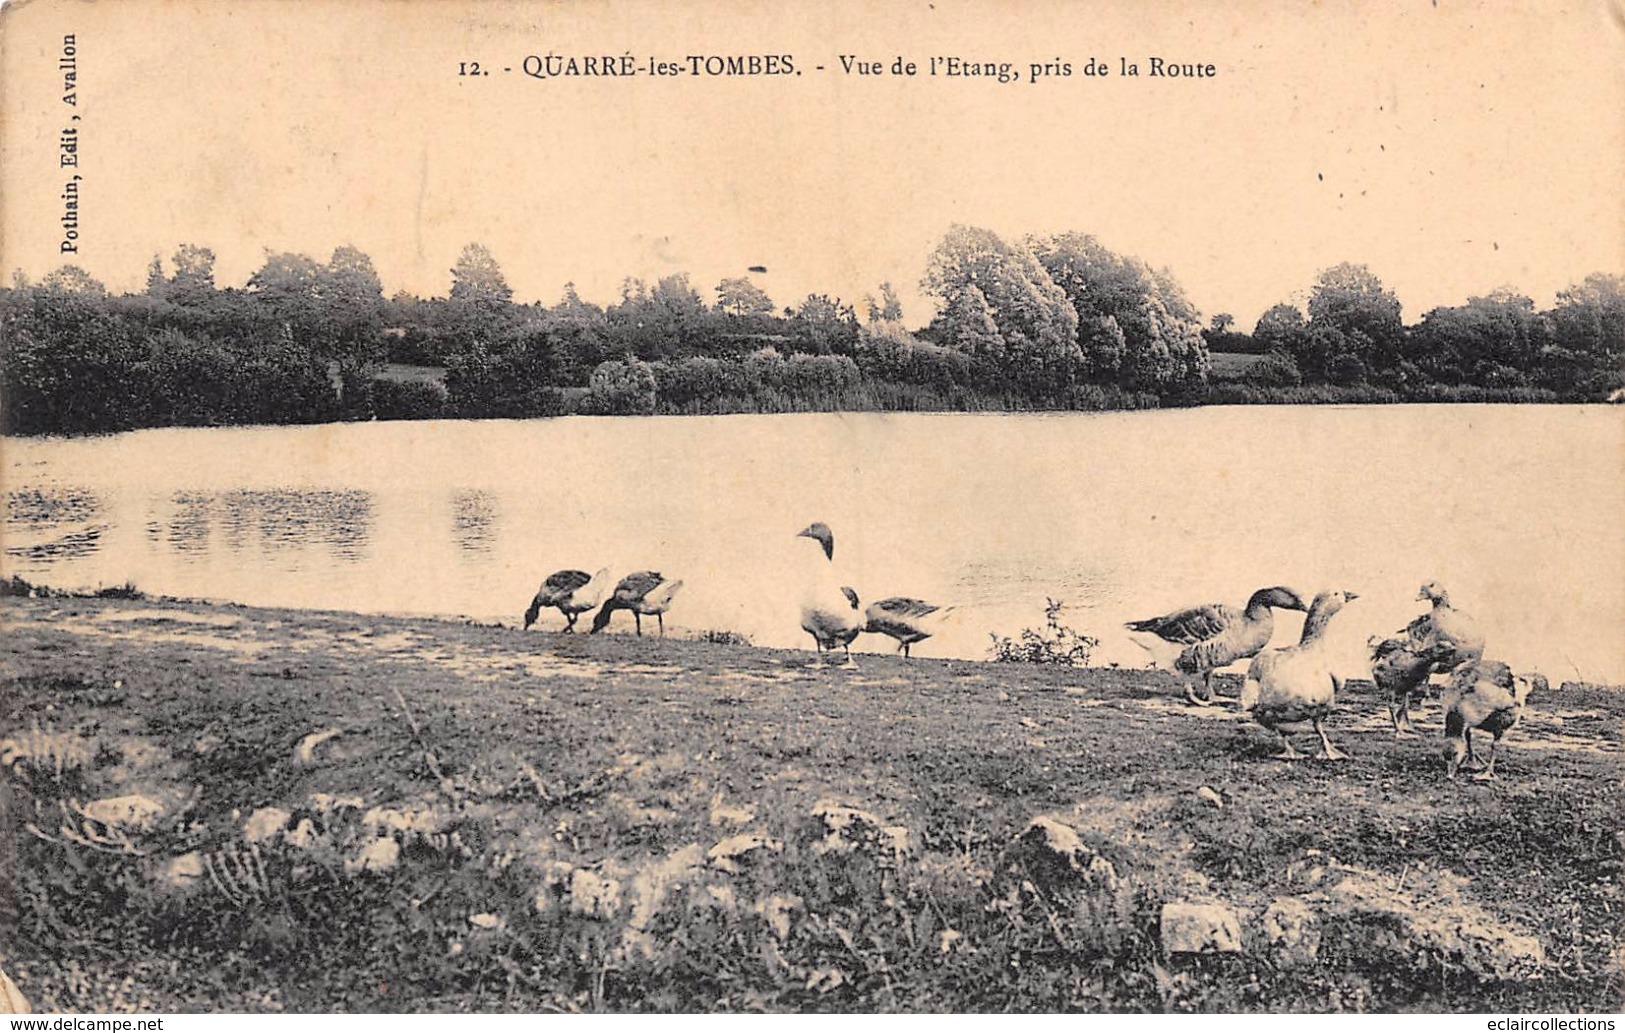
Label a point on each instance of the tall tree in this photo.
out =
(1136, 327)
(737, 296)
(477, 278)
(977, 277)
(193, 282)
(1357, 325)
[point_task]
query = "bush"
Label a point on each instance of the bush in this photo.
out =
(1055, 643)
(408, 399)
(1275, 369)
(621, 387)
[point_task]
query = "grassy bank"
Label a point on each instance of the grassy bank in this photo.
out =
(221, 807)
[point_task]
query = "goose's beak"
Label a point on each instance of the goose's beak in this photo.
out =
(1351, 596)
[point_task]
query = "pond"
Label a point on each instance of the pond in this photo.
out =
(1515, 509)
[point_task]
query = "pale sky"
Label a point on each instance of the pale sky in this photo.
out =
(1454, 148)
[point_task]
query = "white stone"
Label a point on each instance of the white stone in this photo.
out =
(264, 824)
(1191, 928)
(381, 855)
(129, 812)
(848, 828)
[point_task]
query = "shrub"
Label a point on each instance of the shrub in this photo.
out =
(1055, 643)
(621, 387)
(1275, 369)
(408, 399)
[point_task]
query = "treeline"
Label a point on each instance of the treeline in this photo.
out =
(1353, 345)
(1043, 323)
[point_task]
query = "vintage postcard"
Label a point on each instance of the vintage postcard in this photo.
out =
(951, 507)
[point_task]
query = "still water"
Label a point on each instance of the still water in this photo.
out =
(1517, 510)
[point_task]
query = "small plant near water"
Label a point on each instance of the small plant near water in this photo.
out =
(724, 637)
(1054, 643)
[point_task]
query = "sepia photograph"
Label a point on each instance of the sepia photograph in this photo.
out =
(749, 506)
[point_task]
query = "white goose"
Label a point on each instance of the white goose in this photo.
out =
(1287, 687)
(1454, 635)
(571, 592)
(829, 609)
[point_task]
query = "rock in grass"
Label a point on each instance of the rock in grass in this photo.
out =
(846, 829)
(1436, 917)
(1193, 928)
(1209, 796)
(136, 812)
(265, 824)
(381, 855)
(1050, 853)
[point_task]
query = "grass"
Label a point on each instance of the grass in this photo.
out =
(613, 823)
(1232, 365)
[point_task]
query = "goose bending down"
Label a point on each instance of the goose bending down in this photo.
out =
(646, 593)
(1287, 687)
(1486, 695)
(571, 592)
(1452, 634)
(1400, 667)
(904, 619)
(1219, 634)
(829, 609)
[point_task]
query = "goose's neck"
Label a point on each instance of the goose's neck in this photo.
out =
(1313, 627)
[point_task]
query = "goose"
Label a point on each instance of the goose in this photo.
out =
(1287, 687)
(1456, 636)
(646, 593)
(1219, 634)
(829, 609)
(1399, 668)
(904, 619)
(1484, 694)
(571, 592)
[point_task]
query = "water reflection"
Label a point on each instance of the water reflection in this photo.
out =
(474, 521)
(286, 518)
(188, 530)
(33, 513)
